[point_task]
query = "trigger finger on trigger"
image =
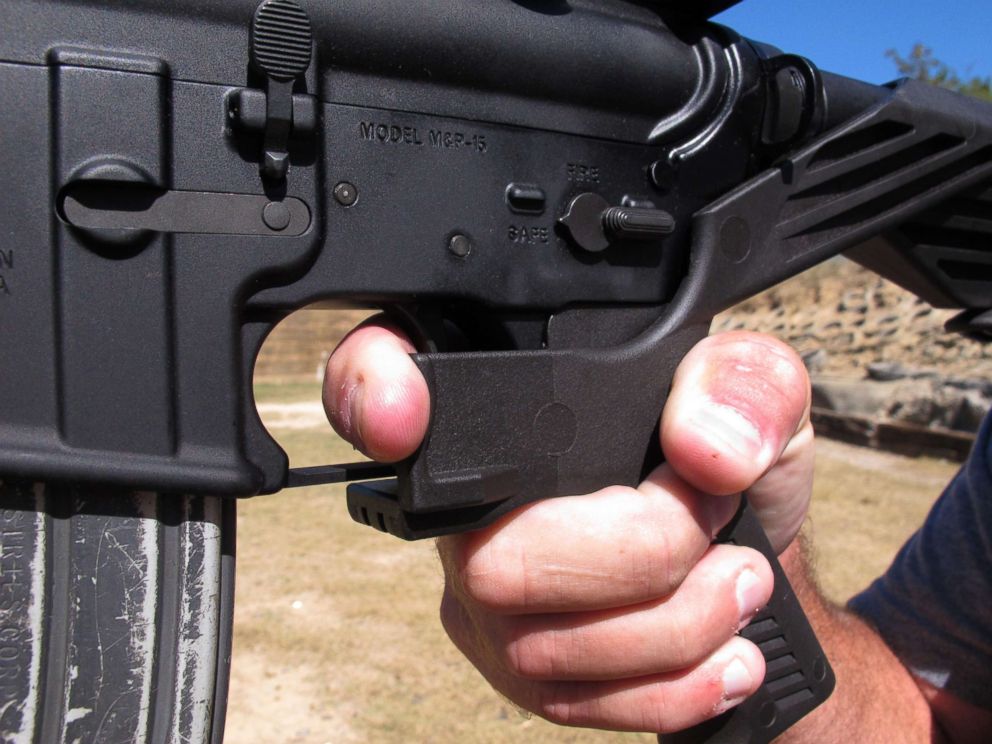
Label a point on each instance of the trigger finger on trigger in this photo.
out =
(374, 395)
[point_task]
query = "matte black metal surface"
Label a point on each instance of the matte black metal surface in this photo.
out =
(424, 57)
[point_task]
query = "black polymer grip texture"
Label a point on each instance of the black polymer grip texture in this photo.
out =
(798, 676)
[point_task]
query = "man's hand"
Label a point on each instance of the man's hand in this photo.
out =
(613, 609)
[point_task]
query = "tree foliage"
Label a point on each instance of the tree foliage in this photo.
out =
(922, 65)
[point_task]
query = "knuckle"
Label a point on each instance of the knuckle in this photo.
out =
(682, 647)
(555, 703)
(528, 658)
(454, 617)
(490, 583)
(537, 656)
(663, 569)
(652, 712)
(665, 561)
(658, 557)
(559, 713)
(492, 590)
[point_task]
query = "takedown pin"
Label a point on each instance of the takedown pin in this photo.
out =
(128, 207)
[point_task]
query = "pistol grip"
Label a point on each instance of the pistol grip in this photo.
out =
(798, 676)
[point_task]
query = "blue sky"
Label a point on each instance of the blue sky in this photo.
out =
(850, 37)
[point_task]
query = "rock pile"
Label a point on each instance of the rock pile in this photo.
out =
(921, 400)
(845, 317)
(874, 349)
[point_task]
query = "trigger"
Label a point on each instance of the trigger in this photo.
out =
(423, 325)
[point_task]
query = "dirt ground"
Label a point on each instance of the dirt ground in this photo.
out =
(336, 634)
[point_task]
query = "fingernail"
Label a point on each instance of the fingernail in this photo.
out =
(750, 596)
(731, 428)
(737, 683)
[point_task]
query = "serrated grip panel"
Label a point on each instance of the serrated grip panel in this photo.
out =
(798, 676)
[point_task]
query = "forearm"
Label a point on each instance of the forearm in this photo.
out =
(876, 699)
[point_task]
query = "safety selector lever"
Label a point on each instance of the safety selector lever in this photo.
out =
(593, 225)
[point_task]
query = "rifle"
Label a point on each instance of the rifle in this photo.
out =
(554, 199)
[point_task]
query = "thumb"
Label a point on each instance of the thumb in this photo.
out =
(737, 420)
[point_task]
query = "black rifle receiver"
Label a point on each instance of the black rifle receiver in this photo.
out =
(554, 198)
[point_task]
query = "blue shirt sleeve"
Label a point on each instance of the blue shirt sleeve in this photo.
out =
(933, 606)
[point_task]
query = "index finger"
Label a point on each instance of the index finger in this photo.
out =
(616, 547)
(374, 395)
